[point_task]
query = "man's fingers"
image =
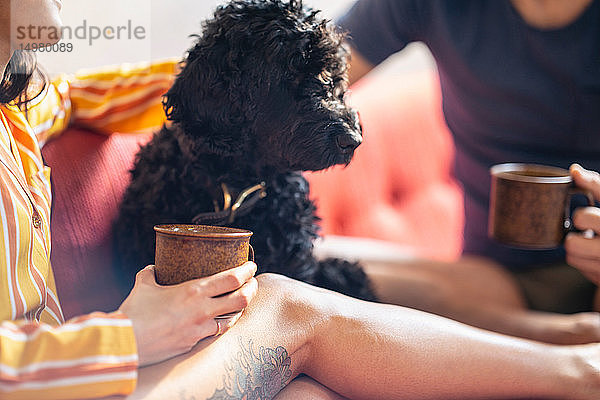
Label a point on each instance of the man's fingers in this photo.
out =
(230, 280)
(583, 264)
(235, 301)
(586, 179)
(583, 254)
(583, 249)
(590, 268)
(576, 244)
(587, 218)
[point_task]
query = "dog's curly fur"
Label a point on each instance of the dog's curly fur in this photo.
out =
(259, 98)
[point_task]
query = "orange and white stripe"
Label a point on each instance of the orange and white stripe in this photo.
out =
(41, 355)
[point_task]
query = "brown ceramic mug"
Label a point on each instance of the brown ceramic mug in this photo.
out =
(529, 205)
(185, 252)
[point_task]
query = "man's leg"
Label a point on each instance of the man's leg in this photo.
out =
(478, 292)
(365, 350)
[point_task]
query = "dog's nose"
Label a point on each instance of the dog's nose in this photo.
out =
(348, 143)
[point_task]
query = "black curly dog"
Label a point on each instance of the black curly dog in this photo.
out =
(259, 99)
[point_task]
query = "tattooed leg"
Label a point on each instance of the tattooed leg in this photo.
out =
(264, 374)
(264, 351)
(364, 350)
(254, 373)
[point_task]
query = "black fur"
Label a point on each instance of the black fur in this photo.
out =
(259, 98)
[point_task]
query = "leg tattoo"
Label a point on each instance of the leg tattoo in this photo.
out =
(255, 375)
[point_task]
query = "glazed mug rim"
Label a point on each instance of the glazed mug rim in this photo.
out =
(202, 231)
(510, 171)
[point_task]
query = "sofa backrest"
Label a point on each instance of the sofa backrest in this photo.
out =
(399, 186)
(90, 173)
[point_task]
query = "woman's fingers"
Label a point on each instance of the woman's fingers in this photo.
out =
(214, 327)
(224, 324)
(228, 281)
(234, 301)
(146, 276)
(169, 320)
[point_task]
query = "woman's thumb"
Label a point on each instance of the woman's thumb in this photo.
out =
(146, 275)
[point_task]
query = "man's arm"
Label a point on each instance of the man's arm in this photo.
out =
(359, 66)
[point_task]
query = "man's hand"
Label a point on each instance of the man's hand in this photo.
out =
(583, 249)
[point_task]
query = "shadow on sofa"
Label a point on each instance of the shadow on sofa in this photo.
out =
(398, 188)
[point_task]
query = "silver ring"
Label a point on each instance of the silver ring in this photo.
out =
(589, 234)
(219, 329)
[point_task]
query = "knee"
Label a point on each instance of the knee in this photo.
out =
(290, 301)
(279, 290)
(284, 290)
(274, 288)
(274, 281)
(287, 302)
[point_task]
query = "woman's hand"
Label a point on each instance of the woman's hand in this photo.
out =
(583, 249)
(170, 320)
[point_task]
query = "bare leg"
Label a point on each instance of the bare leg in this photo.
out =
(477, 292)
(306, 388)
(367, 351)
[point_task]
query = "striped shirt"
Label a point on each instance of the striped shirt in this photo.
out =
(41, 355)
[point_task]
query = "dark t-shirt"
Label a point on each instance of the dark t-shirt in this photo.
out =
(511, 92)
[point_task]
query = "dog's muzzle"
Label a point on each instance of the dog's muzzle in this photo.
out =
(348, 142)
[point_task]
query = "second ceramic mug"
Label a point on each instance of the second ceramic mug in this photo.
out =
(529, 205)
(185, 252)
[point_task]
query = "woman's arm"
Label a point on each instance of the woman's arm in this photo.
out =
(86, 357)
(97, 355)
(125, 98)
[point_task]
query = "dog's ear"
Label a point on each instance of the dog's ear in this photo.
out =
(318, 50)
(202, 103)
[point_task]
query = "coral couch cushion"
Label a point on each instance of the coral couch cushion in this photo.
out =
(89, 177)
(398, 188)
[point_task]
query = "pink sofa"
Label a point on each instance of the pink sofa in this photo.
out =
(398, 188)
